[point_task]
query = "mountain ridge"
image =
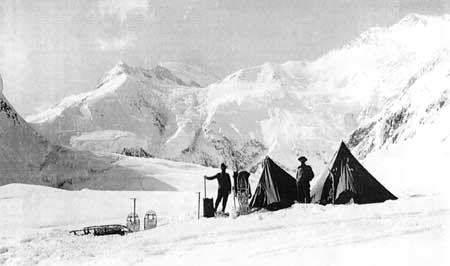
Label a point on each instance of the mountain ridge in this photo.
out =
(298, 107)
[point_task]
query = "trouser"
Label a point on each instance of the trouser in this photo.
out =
(221, 196)
(303, 194)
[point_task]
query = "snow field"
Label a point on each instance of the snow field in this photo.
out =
(35, 222)
(409, 231)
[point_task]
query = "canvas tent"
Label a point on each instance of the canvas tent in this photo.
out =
(346, 180)
(276, 188)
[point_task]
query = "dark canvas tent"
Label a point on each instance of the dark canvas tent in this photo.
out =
(346, 180)
(276, 188)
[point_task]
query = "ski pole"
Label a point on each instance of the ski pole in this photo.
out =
(234, 199)
(198, 206)
(204, 185)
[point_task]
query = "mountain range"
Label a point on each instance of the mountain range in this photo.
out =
(380, 91)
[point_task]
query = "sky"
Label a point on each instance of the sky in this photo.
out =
(50, 49)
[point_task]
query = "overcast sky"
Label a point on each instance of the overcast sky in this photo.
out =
(54, 48)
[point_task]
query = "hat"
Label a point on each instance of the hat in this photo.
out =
(222, 165)
(302, 159)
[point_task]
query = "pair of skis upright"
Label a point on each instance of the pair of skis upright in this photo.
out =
(242, 196)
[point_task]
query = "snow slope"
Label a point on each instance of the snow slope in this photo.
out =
(35, 221)
(278, 109)
(409, 231)
(410, 136)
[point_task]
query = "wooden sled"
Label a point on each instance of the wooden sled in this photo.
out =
(102, 230)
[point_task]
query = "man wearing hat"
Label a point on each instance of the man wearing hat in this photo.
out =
(304, 175)
(223, 178)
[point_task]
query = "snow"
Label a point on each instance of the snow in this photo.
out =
(26, 157)
(69, 101)
(155, 108)
(409, 137)
(36, 220)
(106, 140)
(182, 176)
(409, 231)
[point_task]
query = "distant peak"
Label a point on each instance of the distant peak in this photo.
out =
(413, 19)
(124, 66)
(122, 63)
(121, 68)
(162, 73)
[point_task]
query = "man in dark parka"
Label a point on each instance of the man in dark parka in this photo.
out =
(304, 175)
(224, 180)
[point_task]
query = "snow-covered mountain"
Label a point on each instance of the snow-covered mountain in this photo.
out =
(342, 90)
(131, 107)
(270, 110)
(410, 136)
(26, 157)
(240, 119)
(278, 109)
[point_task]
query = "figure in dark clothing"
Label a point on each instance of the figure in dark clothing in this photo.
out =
(304, 175)
(224, 180)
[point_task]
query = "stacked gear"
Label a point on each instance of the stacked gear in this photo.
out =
(243, 191)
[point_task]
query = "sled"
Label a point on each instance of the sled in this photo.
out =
(102, 230)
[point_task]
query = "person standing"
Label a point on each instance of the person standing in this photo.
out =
(224, 180)
(304, 175)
